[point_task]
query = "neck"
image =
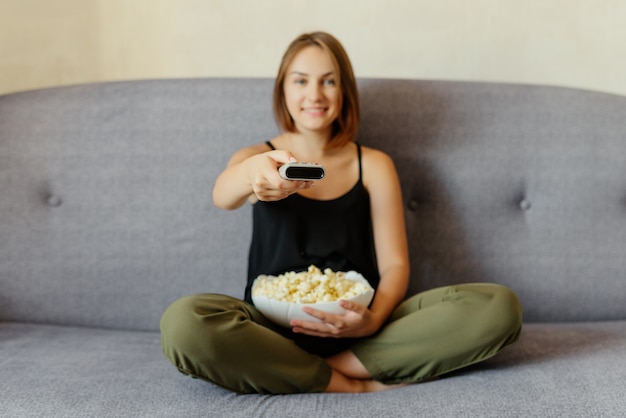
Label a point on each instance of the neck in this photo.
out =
(310, 145)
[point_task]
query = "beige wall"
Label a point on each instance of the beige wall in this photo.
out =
(578, 43)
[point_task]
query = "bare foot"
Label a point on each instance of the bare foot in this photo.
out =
(376, 386)
(351, 376)
(349, 365)
(340, 383)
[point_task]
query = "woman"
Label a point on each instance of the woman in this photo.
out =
(352, 219)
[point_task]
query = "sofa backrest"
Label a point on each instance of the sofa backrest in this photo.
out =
(105, 193)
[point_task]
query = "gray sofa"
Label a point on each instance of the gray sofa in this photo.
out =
(106, 218)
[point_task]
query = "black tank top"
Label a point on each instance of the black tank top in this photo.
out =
(293, 233)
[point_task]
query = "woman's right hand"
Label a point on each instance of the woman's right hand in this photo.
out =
(252, 175)
(267, 184)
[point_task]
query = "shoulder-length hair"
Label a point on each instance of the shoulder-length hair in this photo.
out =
(345, 127)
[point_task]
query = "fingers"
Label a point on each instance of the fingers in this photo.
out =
(329, 333)
(337, 321)
(267, 184)
(282, 189)
(281, 156)
(329, 326)
(344, 325)
(351, 306)
(317, 329)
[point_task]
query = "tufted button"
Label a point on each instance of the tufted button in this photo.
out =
(525, 204)
(54, 201)
(413, 205)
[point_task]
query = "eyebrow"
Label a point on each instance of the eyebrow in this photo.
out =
(305, 74)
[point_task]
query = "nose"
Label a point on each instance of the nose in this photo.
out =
(314, 92)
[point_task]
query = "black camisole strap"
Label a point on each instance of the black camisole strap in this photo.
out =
(269, 144)
(358, 150)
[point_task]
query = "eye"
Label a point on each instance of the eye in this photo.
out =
(300, 81)
(329, 82)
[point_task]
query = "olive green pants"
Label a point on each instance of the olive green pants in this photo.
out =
(228, 342)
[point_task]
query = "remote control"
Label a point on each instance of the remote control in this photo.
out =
(301, 171)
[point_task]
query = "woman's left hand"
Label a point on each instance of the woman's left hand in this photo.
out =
(355, 322)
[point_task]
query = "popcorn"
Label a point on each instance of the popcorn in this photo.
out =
(310, 286)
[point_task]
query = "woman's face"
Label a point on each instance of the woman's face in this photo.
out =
(312, 92)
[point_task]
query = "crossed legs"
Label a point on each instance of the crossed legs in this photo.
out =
(228, 342)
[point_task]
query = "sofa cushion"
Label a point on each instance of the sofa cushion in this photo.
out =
(56, 371)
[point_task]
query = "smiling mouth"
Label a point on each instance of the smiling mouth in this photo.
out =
(314, 110)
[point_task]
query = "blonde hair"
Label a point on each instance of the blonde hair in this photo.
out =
(345, 127)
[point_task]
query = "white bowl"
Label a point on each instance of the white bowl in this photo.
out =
(283, 312)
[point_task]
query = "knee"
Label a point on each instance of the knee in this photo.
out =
(190, 332)
(178, 323)
(506, 312)
(199, 324)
